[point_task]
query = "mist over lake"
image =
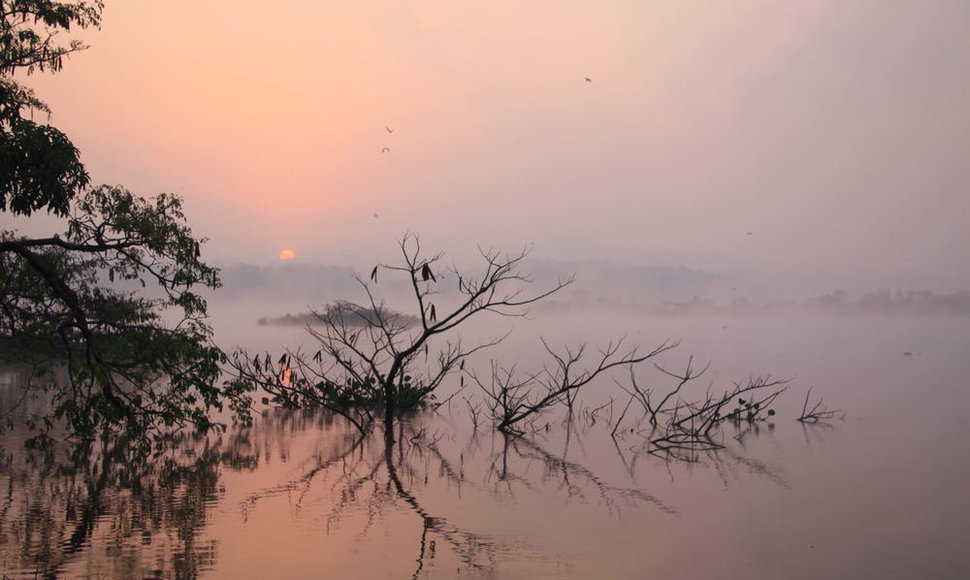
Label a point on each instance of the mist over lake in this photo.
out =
(876, 492)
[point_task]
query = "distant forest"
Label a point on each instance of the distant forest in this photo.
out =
(361, 318)
(895, 302)
(323, 283)
(600, 286)
(838, 303)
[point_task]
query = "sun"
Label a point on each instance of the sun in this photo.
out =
(287, 254)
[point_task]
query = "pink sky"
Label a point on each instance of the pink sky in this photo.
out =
(836, 133)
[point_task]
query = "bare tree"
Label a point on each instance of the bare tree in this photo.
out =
(692, 426)
(515, 401)
(369, 356)
(643, 395)
(818, 412)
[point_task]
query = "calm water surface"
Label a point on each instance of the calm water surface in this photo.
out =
(878, 494)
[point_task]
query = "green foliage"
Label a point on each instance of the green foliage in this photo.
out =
(128, 370)
(28, 30)
(63, 304)
(750, 411)
(39, 166)
(346, 395)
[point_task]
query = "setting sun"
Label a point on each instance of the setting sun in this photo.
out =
(287, 254)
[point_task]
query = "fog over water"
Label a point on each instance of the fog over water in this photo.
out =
(878, 492)
(875, 493)
(600, 291)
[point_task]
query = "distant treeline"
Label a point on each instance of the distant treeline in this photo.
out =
(359, 317)
(289, 320)
(313, 283)
(601, 286)
(896, 302)
(880, 302)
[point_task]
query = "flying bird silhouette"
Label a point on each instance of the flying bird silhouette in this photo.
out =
(385, 150)
(589, 80)
(388, 129)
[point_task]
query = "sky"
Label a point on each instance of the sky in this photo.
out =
(816, 144)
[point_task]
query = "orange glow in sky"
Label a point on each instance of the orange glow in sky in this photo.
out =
(831, 134)
(287, 254)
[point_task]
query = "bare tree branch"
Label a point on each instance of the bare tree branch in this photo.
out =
(376, 353)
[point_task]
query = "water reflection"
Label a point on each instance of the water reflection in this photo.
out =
(573, 479)
(299, 495)
(96, 512)
(427, 475)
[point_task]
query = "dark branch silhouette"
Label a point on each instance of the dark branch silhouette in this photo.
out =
(373, 361)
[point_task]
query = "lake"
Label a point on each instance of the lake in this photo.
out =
(880, 492)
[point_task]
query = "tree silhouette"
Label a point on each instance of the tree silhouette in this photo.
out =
(61, 301)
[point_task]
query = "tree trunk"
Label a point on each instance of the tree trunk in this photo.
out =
(390, 409)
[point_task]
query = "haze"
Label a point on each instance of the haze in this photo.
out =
(815, 145)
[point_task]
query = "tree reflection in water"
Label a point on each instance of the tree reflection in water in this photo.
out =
(375, 475)
(99, 513)
(98, 509)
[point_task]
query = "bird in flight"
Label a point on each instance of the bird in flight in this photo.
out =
(589, 80)
(388, 129)
(385, 149)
